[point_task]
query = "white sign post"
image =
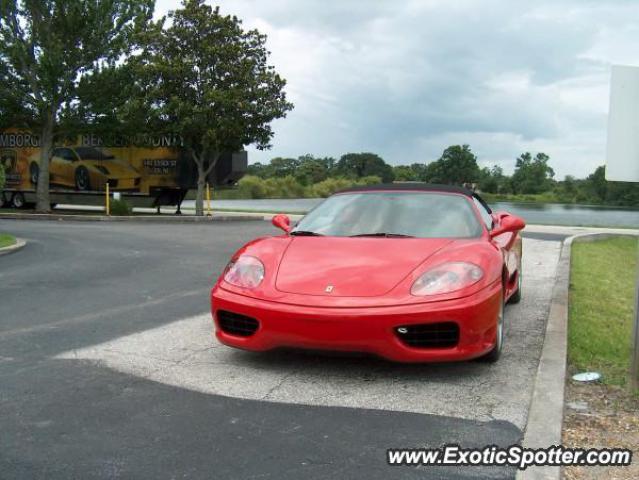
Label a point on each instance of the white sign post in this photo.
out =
(622, 162)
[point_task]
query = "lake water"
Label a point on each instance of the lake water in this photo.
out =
(533, 213)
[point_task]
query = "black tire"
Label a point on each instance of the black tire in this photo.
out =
(516, 297)
(3, 200)
(82, 179)
(34, 173)
(18, 201)
(495, 353)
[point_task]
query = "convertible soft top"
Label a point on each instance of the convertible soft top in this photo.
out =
(412, 186)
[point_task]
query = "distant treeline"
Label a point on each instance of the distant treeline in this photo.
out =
(532, 180)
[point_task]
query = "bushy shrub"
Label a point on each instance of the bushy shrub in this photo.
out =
(255, 187)
(120, 208)
(289, 187)
(369, 180)
(251, 186)
(329, 186)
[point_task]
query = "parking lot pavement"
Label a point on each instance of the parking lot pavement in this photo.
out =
(184, 354)
(108, 369)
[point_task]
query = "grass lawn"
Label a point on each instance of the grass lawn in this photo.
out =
(6, 240)
(601, 313)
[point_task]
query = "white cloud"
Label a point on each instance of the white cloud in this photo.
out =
(407, 78)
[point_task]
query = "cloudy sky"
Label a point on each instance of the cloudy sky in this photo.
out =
(407, 78)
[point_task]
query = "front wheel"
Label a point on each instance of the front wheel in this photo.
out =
(17, 200)
(495, 353)
(82, 180)
(516, 297)
(34, 173)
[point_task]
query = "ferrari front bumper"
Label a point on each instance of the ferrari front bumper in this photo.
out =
(371, 330)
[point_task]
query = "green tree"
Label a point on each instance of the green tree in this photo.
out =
(532, 175)
(622, 193)
(456, 166)
(358, 165)
(486, 181)
(596, 185)
(312, 170)
(282, 167)
(257, 169)
(567, 189)
(405, 173)
(47, 47)
(597, 189)
(493, 180)
(2, 178)
(204, 78)
(421, 171)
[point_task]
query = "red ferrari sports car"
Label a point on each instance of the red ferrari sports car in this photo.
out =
(409, 272)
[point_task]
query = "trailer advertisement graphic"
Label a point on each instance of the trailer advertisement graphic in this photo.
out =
(9, 161)
(150, 170)
(83, 166)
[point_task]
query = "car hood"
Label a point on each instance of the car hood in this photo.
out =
(351, 267)
(116, 168)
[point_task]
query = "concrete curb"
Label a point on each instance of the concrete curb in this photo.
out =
(225, 215)
(545, 417)
(19, 245)
(132, 218)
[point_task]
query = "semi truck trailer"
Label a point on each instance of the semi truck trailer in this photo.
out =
(150, 172)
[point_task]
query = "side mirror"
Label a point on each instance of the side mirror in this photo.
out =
(507, 223)
(282, 222)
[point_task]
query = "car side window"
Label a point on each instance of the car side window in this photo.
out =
(486, 217)
(67, 154)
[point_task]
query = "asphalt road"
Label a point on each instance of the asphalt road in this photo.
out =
(108, 370)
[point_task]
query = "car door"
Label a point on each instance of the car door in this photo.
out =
(56, 167)
(509, 243)
(62, 167)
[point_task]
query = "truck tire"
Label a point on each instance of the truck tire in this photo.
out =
(34, 173)
(3, 199)
(82, 179)
(17, 200)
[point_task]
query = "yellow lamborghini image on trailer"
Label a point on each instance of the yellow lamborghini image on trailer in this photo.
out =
(85, 169)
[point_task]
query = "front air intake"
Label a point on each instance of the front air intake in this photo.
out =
(429, 335)
(236, 324)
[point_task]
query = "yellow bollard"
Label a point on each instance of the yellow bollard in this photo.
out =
(108, 205)
(208, 200)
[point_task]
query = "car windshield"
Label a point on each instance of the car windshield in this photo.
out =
(393, 214)
(89, 153)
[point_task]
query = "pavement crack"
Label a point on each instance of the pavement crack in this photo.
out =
(278, 385)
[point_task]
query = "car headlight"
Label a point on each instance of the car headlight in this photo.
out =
(446, 278)
(245, 271)
(102, 169)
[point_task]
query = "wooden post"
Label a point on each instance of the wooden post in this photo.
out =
(621, 162)
(108, 200)
(634, 355)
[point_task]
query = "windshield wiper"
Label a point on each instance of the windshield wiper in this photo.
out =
(383, 234)
(305, 233)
